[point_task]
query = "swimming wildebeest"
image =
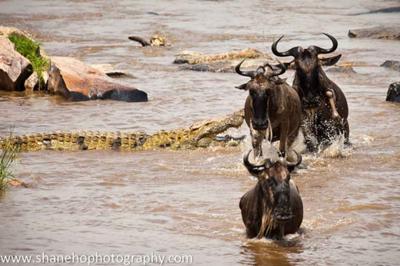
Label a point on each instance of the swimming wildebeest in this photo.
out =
(324, 105)
(273, 207)
(271, 105)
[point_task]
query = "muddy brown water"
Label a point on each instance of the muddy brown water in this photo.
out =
(186, 202)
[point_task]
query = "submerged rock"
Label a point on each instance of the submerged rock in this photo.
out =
(392, 64)
(224, 62)
(14, 68)
(393, 94)
(387, 33)
(395, 9)
(14, 182)
(76, 81)
(189, 57)
(110, 71)
(345, 69)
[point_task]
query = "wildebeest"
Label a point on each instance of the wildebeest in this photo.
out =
(323, 102)
(273, 207)
(272, 105)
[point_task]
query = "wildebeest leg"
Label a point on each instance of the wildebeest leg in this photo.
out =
(336, 128)
(289, 156)
(309, 131)
(346, 133)
(332, 103)
(291, 140)
(256, 141)
(327, 131)
(309, 138)
(283, 140)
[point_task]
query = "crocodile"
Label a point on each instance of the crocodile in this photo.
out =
(202, 134)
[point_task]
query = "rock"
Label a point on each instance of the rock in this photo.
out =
(392, 64)
(14, 68)
(225, 62)
(189, 57)
(14, 182)
(345, 69)
(387, 33)
(110, 71)
(381, 10)
(5, 31)
(353, 64)
(74, 80)
(393, 94)
(32, 83)
(225, 66)
(158, 40)
(218, 67)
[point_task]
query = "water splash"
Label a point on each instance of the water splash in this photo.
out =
(337, 149)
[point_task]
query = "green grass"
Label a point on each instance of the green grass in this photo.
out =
(31, 50)
(8, 155)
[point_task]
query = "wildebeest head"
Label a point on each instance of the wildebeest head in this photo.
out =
(274, 178)
(308, 67)
(262, 84)
(306, 60)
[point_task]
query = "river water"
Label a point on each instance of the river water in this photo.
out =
(186, 202)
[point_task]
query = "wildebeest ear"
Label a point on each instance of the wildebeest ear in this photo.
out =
(281, 81)
(330, 61)
(242, 87)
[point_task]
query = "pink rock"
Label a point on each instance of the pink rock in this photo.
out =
(14, 68)
(77, 81)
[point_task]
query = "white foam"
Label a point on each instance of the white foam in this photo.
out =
(336, 149)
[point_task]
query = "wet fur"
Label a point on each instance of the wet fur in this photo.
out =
(321, 126)
(256, 209)
(284, 115)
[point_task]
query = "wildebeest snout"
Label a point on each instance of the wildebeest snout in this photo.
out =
(283, 211)
(259, 124)
(282, 215)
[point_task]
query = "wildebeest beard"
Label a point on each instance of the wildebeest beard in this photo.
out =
(271, 211)
(267, 223)
(260, 109)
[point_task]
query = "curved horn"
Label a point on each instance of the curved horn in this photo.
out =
(255, 170)
(333, 48)
(290, 52)
(244, 73)
(299, 159)
(280, 71)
